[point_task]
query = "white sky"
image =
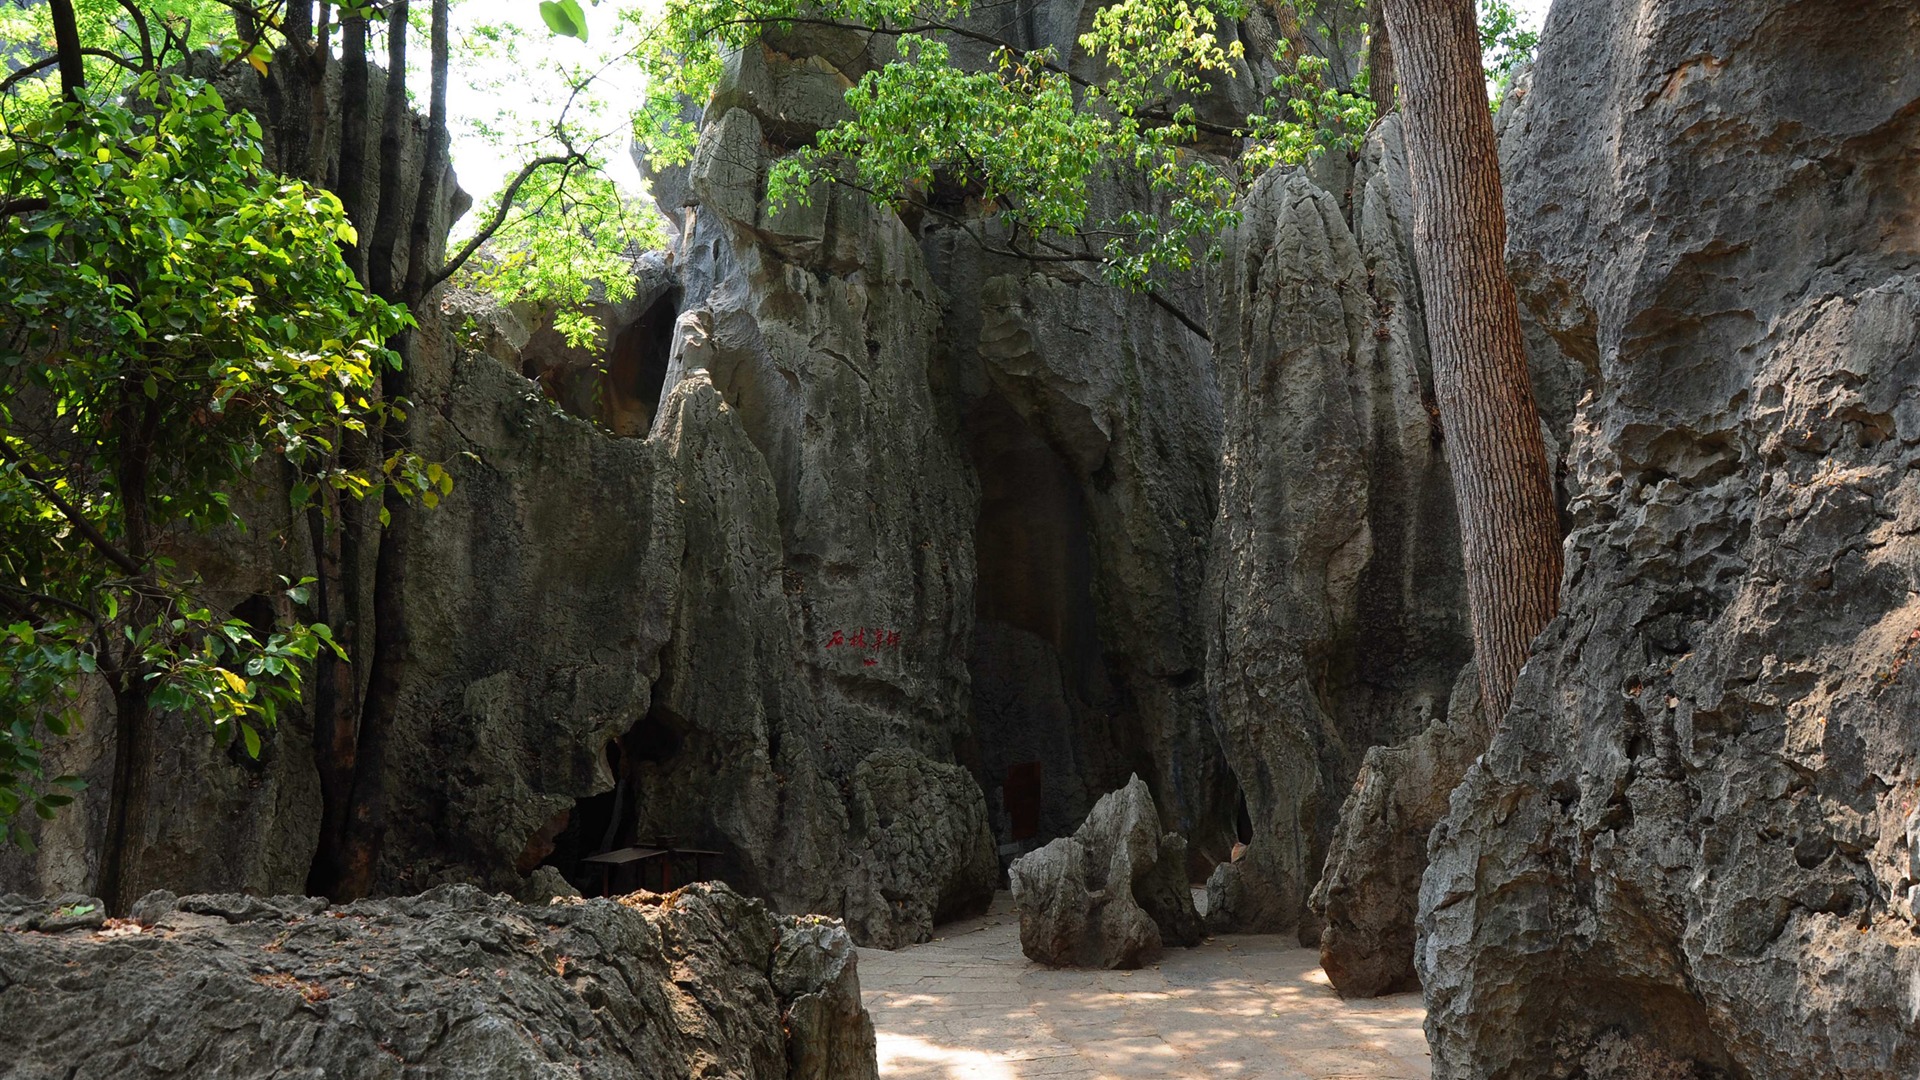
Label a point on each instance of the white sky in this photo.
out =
(483, 168)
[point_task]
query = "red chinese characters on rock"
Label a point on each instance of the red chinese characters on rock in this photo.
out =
(865, 639)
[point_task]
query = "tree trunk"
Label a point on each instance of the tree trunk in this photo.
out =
(120, 881)
(434, 170)
(314, 162)
(119, 884)
(336, 690)
(352, 187)
(1509, 528)
(287, 90)
(1379, 58)
(393, 122)
(66, 44)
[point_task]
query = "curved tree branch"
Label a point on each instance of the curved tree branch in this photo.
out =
(500, 213)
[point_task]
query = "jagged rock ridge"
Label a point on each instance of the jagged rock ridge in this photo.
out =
(449, 983)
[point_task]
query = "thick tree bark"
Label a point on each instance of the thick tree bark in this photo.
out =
(1508, 524)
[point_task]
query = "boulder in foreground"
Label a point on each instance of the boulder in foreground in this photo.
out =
(1112, 894)
(451, 983)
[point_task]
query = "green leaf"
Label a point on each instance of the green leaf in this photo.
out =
(564, 17)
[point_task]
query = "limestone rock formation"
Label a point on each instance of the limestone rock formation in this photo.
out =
(1334, 583)
(925, 853)
(449, 983)
(1112, 894)
(1368, 897)
(1689, 847)
(843, 636)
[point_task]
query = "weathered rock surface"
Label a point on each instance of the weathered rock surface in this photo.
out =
(1334, 583)
(453, 982)
(1112, 894)
(1689, 848)
(827, 671)
(925, 853)
(1368, 897)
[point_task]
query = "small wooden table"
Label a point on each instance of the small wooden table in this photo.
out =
(610, 861)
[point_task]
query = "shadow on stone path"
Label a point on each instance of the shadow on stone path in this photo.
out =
(969, 1006)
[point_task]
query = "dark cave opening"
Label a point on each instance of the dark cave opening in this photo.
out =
(1053, 729)
(611, 820)
(597, 823)
(618, 388)
(636, 369)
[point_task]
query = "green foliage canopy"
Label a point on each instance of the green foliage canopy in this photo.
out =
(176, 324)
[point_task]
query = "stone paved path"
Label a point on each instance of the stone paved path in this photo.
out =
(968, 1006)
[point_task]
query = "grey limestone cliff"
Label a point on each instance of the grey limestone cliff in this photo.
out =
(1689, 848)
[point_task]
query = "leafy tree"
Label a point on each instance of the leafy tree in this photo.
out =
(176, 323)
(561, 234)
(1506, 45)
(1027, 135)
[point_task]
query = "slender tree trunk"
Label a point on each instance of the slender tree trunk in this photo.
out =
(352, 187)
(120, 881)
(336, 696)
(66, 44)
(1509, 527)
(426, 197)
(1380, 82)
(315, 164)
(287, 90)
(394, 114)
(126, 803)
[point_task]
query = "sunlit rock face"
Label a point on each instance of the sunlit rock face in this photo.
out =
(1334, 586)
(1690, 848)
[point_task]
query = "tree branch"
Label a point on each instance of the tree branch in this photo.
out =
(81, 524)
(500, 213)
(21, 601)
(1061, 255)
(44, 63)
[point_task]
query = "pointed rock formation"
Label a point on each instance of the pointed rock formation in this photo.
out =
(1112, 894)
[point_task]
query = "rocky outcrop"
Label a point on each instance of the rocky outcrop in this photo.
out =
(449, 983)
(1112, 894)
(926, 855)
(1334, 584)
(1368, 896)
(811, 700)
(1689, 848)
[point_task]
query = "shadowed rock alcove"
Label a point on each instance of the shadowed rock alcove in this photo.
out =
(1048, 709)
